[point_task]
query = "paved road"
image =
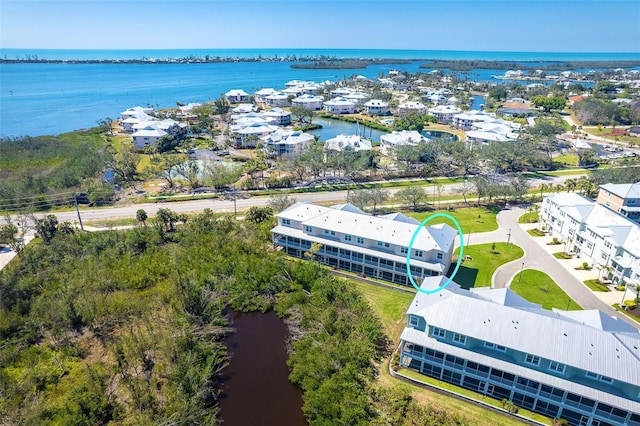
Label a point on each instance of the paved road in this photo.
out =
(537, 258)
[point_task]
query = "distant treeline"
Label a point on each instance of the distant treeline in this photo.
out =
(348, 64)
(468, 65)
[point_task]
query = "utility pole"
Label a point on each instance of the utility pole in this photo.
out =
(235, 209)
(521, 269)
(509, 238)
(75, 199)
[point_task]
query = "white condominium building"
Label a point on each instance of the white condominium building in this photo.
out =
(345, 237)
(605, 239)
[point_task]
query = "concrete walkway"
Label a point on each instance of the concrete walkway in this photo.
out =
(538, 255)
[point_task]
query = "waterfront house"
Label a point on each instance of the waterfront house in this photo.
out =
(467, 120)
(340, 105)
(581, 366)
(284, 142)
(147, 136)
(135, 111)
(377, 107)
(604, 239)
(237, 96)
(391, 140)
(347, 142)
(261, 95)
(278, 116)
(312, 102)
(347, 238)
(148, 133)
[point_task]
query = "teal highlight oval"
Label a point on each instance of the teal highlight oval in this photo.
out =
(413, 239)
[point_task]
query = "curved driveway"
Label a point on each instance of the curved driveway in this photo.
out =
(536, 257)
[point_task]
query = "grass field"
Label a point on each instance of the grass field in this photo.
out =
(529, 217)
(568, 159)
(471, 219)
(538, 287)
(477, 271)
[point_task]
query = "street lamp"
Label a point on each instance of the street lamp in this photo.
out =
(521, 269)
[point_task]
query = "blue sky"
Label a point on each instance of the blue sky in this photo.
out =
(496, 25)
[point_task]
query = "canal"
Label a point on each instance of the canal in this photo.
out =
(332, 128)
(256, 387)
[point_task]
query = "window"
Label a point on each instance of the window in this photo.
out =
(557, 367)
(438, 332)
(532, 359)
(307, 228)
(347, 237)
(495, 347)
(439, 256)
(329, 232)
(606, 379)
(413, 321)
(382, 244)
(403, 250)
(591, 375)
(360, 240)
(286, 222)
(460, 338)
(418, 253)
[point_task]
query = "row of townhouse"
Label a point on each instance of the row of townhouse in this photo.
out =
(623, 198)
(346, 238)
(581, 366)
(607, 240)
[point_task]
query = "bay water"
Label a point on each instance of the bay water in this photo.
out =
(52, 98)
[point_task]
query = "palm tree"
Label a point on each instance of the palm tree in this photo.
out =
(571, 184)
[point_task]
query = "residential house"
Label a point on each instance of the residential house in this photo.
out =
(581, 366)
(244, 109)
(347, 142)
(345, 237)
(277, 99)
(377, 107)
(340, 105)
(237, 96)
(515, 109)
(261, 95)
(623, 198)
(286, 142)
(444, 113)
(248, 136)
(312, 102)
(135, 111)
(412, 107)
(389, 141)
(148, 133)
(606, 240)
(278, 116)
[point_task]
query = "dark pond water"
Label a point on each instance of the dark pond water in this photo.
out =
(440, 135)
(257, 390)
(332, 128)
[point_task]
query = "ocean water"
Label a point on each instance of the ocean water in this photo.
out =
(39, 98)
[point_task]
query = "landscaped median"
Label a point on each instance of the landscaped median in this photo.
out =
(538, 287)
(482, 260)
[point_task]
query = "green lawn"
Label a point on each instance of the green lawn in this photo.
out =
(595, 285)
(478, 271)
(568, 159)
(388, 304)
(538, 287)
(474, 395)
(529, 217)
(471, 219)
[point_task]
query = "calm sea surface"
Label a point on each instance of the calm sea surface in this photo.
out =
(39, 99)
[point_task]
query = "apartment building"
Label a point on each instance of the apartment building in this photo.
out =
(606, 240)
(582, 366)
(347, 238)
(623, 198)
